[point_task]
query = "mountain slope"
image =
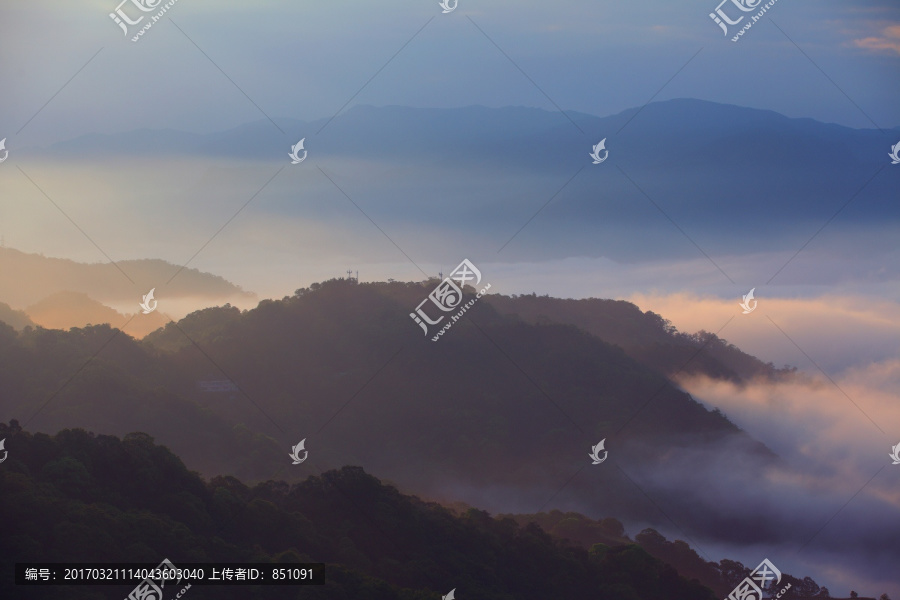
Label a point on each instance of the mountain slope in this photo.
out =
(735, 168)
(497, 403)
(645, 337)
(66, 309)
(17, 319)
(721, 577)
(29, 278)
(79, 497)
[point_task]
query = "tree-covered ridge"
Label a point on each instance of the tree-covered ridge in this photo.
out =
(721, 577)
(101, 379)
(498, 400)
(82, 497)
(645, 336)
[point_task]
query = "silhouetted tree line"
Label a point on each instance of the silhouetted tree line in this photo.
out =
(721, 577)
(82, 497)
(645, 336)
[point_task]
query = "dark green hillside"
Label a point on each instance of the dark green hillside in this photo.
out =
(99, 378)
(80, 497)
(721, 577)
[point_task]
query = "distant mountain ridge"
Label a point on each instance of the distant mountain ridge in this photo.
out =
(30, 278)
(17, 319)
(73, 309)
(719, 171)
(510, 135)
(66, 309)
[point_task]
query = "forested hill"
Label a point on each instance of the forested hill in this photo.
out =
(82, 497)
(645, 336)
(721, 577)
(497, 402)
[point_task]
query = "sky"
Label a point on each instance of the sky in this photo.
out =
(234, 61)
(208, 67)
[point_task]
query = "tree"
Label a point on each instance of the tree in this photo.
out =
(808, 587)
(732, 571)
(598, 551)
(853, 594)
(612, 527)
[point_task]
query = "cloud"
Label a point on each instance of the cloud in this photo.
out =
(829, 506)
(889, 40)
(826, 507)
